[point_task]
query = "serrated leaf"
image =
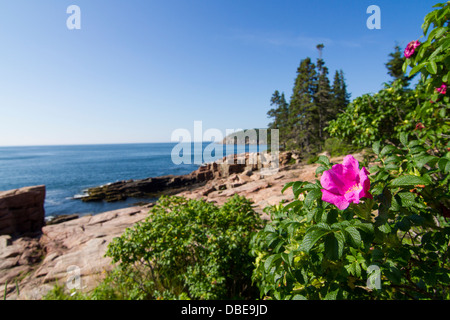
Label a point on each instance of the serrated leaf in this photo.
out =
(365, 227)
(312, 196)
(320, 170)
(297, 189)
(287, 185)
(332, 294)
(334, 245)
(354, 235)
(387, 149)
(420, 162)
(385, 228)
(311, 238)
(270, 261)
(404, 138)
(293, 204)
(444, 165)
(409, 180)
(285, 257)
(323, 160)
(376, 147)
(404, 224)
(407, 199)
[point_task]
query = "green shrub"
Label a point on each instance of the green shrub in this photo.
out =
(186, 249)
(337, 147)
(396, 245)
(377, 117)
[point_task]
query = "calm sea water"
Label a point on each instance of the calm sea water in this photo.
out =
(68, 170)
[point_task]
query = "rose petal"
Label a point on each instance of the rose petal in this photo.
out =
(353, 196)
(338, 200)
(332, 180)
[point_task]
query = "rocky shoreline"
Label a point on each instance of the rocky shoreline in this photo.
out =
(31, 264)
(166, 185)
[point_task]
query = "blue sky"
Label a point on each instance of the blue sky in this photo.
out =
(137, 70)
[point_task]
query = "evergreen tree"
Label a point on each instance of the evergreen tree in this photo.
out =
(341, 98)
(280, 115)
(322, 98)
(303, 110)
(314, 102)
(395, 64)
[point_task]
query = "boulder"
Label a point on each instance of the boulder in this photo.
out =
(22, 211)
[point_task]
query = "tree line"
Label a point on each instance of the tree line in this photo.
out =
(314, 102)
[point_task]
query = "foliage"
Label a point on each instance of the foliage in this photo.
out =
(396, 245)
(59, 292)
(432, 60)
(381, 116)
(336, 147)
(280, 114)
(395, 66)
(188, 249)
(311, 250)
(313, 103)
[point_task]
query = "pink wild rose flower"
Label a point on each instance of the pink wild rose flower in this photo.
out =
(411, 47)
(442, 89)
(345, 183)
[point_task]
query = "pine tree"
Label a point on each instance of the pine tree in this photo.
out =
(341, 98)
(322, 98)
(303, 110)
(314, 102)
(280, 115)
(395, 64)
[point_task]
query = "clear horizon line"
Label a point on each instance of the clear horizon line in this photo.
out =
(97, 144)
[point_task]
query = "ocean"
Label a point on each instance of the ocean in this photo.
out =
(67, 171)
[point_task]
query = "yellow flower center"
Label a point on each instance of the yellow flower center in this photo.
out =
(356, 187)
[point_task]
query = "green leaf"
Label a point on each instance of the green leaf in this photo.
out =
(404, 138)
(334, 245)
(320, 170)
(299, 297)
(312, 236)
(407, 199)
(365, 227)
(417, 69)
(332, 294)
(432, 67)
(297, 188)
(293, 204)
(404, 224)
(270, 261)
(354, 235)
(444, 165)
(323, 160)
(287, 185)
(387, 149)
(421, 161)
(425, 27)
(312, 196)
(385, 228)
(440, 31)
(376, 147)
(409, 180)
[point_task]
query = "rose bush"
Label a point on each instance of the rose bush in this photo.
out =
(346, 237)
